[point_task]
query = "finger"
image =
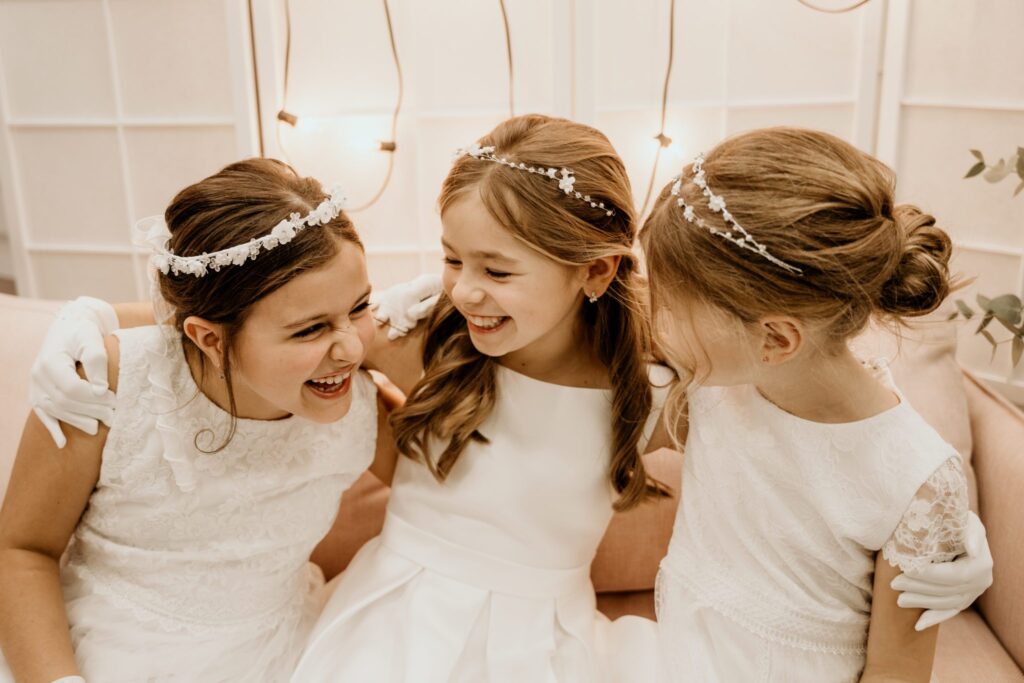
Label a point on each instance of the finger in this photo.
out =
(395, 333)
(63, 408)
(933, 618)
(421, 310)
(82, 424)
(954, 573)
(975, 541)
(94, 363)
(62, 381)
(53, 427)
(925, 601)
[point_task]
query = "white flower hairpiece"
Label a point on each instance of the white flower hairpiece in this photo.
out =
(736, 234)
(167, 261)
(566, 179)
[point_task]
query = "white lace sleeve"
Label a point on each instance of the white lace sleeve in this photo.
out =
(932, 528)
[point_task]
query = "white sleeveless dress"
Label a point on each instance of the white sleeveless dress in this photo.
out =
(769, 572)
(485, 578)
(192, 566)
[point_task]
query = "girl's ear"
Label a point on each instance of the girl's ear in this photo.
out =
(599, 274)
(782, 338)
(208, 337)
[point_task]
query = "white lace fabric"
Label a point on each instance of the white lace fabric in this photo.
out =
(201, 554)
(773, 551)
(932, 528)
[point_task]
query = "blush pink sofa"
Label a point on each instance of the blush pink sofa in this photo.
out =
(984, 644)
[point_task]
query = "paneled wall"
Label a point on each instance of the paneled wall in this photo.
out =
(107, 108)
(160, 92)
(954, 81)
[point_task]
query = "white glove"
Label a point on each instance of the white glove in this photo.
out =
(945, 589)
(69, 679)
(404, 305)
(56, 391)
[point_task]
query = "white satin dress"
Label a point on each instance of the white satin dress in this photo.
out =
(485, 578)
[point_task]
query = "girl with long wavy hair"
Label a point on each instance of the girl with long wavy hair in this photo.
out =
(523, 434)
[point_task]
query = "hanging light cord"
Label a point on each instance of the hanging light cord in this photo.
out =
(282, 114)
(508, 51)
(663, 140)
(833, 11)
(390, 145)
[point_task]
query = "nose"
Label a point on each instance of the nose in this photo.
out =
(466, 290)
(347, 346)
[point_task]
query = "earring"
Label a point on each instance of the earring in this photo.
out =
(592, 297)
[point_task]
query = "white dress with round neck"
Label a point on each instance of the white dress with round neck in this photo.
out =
(193, 566)
(485, 578)
(769, 572)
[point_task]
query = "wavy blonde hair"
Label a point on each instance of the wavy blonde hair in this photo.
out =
(816, 202)
(458, 389)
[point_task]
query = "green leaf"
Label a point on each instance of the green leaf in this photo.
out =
(952, 316)
(991, 340)
(1020, 162)
(984, 322)
(1019, 188)
(1007, 308)
(978, 156)
(1018, 350)
(984, 302)
(964, 309)
(975, 170)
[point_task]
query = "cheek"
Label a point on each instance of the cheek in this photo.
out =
(367, 332)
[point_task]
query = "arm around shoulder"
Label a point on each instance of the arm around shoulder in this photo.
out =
(47, 494)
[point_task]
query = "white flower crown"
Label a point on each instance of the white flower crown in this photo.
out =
(566, 179)
(737, 234)
(167, 261)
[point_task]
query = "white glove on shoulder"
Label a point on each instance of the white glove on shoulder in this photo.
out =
(56, 391)
(402, 306)
(945, 589)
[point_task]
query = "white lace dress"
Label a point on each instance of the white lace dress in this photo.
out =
(485, 578)
(189, 566)
(769, 572)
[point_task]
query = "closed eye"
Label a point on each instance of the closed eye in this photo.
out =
(452, 262)
(310, 330)
(498, 275)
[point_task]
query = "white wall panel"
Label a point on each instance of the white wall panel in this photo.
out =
(71, 180)
(54, 59)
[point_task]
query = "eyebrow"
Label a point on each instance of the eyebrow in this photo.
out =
(318, 316)
(493, 255)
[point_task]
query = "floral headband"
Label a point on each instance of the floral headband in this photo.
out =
(735, 232)
(566, 179)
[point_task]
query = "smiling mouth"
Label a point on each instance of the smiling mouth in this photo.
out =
(484, 324)
(331, 386)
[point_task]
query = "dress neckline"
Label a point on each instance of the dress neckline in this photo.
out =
(533, 380)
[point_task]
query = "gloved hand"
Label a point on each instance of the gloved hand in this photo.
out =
(69, 679)
(402, 306)
(945, 589)
(56, 391)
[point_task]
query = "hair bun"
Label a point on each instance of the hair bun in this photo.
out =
(920, 282)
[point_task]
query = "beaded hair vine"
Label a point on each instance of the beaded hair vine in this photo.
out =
(735, 232)
(166, 261)
(566, 179)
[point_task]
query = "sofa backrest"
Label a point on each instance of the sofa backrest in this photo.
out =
(23, 323)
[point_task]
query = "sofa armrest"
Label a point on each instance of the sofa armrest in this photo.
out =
(998, 432)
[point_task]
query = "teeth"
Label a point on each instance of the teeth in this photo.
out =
(329, 381)
(486, 321)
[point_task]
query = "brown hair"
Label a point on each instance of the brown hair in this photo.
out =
(458, 389)
(817, 203)
(243, 201)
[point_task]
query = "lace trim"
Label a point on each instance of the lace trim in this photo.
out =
(932, 528)
(771, 620)
(287, 612)
(163, 403)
